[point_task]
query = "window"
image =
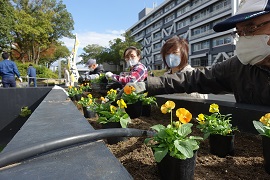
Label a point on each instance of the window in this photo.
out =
(196, 62)
(223, 40)
(157, 57)
(168, 7)
(220, 5)
(157, 45)
(157, 14)
(157, 35)
(201, 46)
(148, 20)
(196, 31)
(182, 10)
(157, 24)
(196, 16)
(205, 45)
(169, 18)
(195, 2)
(148, 30)
(182, 23)
(201, 30)
(179, 1)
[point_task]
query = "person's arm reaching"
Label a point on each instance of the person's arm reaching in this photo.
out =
(92, 76)
(139, 73)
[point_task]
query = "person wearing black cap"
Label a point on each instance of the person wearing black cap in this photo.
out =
(246, 75)
(94, 69)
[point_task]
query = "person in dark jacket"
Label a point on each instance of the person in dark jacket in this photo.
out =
(94, 69)
(246, 75)
(8, 70)
(31, 73)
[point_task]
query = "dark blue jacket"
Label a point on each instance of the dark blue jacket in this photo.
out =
(31, 71)
(8, 69)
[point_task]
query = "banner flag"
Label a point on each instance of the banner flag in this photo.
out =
(74, 74)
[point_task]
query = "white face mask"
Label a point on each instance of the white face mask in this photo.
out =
(132, 62)
(173, 60)
(252, 49)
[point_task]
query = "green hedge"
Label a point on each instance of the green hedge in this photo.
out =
(42, 72)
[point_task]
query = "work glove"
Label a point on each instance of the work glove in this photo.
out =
(108, 75)
(20, 79)
(140, 87)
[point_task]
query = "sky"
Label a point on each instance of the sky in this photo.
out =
(99, 21)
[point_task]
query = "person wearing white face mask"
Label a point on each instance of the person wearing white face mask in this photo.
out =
(246, 75)
(138, 72)
(175, 56)
(94, 69)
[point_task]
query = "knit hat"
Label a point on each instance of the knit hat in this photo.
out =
(90, 62)
(247, 9)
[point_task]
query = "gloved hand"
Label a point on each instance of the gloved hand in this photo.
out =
(108, 74)
(140, 87)
(27, 76)
(20, 79)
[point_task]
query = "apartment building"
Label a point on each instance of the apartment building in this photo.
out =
(189, 19)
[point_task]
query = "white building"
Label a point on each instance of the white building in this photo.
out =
(189, 19)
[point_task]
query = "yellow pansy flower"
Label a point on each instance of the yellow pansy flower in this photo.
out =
(170, 104)
(200, 118)
(167, 107)
(113, 109)
(214, 108)
(90, 96)
(102, 98)
(184, 115)
(265, 119)
(121, 103)
(164, 109)
(90, 101)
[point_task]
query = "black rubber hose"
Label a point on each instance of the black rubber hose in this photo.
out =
(22, 153)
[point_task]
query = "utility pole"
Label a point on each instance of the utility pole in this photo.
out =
(59, 68)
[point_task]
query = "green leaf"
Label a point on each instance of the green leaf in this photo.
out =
(158, 127)
(185, 129)
(124, 121)
(160, 153)
(184, 147)
(259, 127)
(102, 120)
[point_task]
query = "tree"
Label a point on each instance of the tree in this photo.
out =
(91, 52)
(111, 55)
(115, 53)
(129, 41)
(6, 25)
(55, 52)
(39, 25)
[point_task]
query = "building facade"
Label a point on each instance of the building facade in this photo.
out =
(189, 19)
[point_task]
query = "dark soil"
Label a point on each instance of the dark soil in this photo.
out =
(138, 159)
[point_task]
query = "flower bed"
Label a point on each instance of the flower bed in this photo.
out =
(138, 159)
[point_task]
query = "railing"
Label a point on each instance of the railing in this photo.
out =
(42, 82)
